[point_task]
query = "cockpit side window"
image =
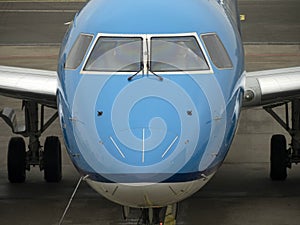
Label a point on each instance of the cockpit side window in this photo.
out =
(116, 54)
(217, 51)
(78, 51)
(171, 54)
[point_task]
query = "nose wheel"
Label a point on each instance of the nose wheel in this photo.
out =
(153, 216)
(159, 216)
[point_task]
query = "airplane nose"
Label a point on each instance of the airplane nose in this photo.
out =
(150, 124)
(146, 126)
(143, 146)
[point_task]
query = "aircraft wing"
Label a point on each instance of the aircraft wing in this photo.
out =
(262, 87)
(271, 86)
(29, 84)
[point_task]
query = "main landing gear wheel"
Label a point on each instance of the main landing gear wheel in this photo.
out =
(278, 157)
(52, 160)
(16, 160)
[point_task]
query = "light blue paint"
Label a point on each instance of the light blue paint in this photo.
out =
(181, 125)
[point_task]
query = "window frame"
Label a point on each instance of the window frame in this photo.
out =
(113, 70)
(194, 34)
(83, 71)
(146, 40)
(180, 71)
(225, 50)
(83, 56)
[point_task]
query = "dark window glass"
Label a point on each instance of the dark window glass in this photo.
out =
(217, 51)
(78, 51)
(116, 54)
(170, 54)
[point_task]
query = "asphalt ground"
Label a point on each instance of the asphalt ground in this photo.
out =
(267, 21)
(240, 194)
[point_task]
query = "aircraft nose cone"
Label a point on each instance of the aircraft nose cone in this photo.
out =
(147, 121)
(143, 146)
(146, 126)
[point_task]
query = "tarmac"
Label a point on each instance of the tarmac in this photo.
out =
(241, 193)
(42, 22)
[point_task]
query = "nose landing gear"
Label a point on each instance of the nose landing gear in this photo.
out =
(155, 216)
(159, 216)
(152, 216)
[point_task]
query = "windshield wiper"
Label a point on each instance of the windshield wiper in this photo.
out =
(149, 70)
(148, 64)
(132, 76)
(147, 67)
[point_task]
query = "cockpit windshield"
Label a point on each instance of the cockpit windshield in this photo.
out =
(78, 51)
(146, 53)
(171, 54)
(217, 51)
(116, 54)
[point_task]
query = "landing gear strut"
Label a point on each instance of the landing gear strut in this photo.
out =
(155, 216)
(281, 157)
(19, 160)
(159, 216)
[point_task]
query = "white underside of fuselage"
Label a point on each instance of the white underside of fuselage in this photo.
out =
(147, 195)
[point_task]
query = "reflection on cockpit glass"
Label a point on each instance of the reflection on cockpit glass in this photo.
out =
(176, 54)
(78, 51)
(116, 54)
(217, 51)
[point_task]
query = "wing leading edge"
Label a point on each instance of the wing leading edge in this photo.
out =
(29, 84)
(271, 86)
(262, 87)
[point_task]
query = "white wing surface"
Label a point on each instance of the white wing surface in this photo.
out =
(271, 86)
(29, 84)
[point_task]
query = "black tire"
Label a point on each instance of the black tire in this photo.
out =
(52, 160)
(278, 157)
(16, 160)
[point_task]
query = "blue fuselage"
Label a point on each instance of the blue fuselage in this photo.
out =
(146, 130)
